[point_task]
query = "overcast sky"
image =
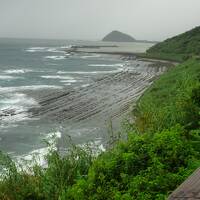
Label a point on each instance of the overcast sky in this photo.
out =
(92, 19)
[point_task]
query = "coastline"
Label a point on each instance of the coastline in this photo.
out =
(125, 55)
(109, 99)
(85, 112)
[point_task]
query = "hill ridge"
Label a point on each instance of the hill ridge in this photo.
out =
(187, 43)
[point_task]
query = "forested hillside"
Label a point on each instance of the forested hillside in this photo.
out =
(180, 47)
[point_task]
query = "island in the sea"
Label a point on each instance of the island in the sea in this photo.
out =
(117, 36)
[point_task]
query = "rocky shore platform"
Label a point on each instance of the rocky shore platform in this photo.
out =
(88, 111)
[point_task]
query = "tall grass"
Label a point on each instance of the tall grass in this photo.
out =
(168, 101)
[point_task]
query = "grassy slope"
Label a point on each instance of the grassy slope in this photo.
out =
(185, 43)
(163, 56)
(161, 105)
(178, 48)
(162, 149)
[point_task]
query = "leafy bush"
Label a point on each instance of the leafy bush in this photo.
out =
(144, 167)
(44, 183)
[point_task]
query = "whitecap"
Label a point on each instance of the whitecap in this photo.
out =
(68, 81)
(67, 84)
(91, 72)
(14, 107)
(56, 57)
(77, 72)
(57, 77)
(55, 50)
(36, 49)
(91, 56)
(31, 50)
(17, 71)
(106, 65)
(45, 49)
(39, 87)
(19, 99)
(19, 115)
(6, 77)
(85, 85)
(38, 156)
(31, 87)
(67, 47)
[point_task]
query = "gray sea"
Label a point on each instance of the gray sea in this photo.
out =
(27, 66)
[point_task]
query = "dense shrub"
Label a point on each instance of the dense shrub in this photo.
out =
(44, 183)
(144, 167)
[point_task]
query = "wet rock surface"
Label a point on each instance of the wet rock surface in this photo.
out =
(108, 97)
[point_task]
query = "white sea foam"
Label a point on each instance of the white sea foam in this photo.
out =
(56, 57)
(45, 49)
(31, 87)
(25, 162)
(57, 77)
(91, 56)
(66, 47)
(40, 87)
(38, 156)
(19, 115)
(63, 79)
(19, 99)
(62, 72)
(6, 77)
(85, 85)
(106, 65)
(36, 49)
(67, 84)
(13, 107)
(91, 72)
(68, 81)
(55, 50)
(17, 71)
(78, 72)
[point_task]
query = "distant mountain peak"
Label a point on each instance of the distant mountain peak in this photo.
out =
(117, 36)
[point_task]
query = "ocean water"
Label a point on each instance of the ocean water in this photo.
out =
(41, 65)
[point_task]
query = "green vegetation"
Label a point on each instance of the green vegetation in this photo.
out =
(178, 48)
(117, 36)
(161, 150)
(168, 101)
(164, 56)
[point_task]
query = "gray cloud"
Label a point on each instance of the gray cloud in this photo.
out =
(92, 19)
